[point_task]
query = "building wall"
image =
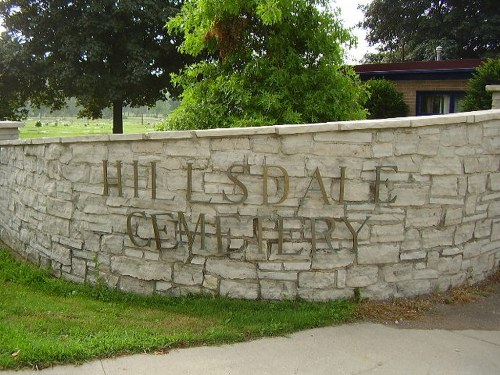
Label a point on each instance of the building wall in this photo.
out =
(409, 89)
(396, 207)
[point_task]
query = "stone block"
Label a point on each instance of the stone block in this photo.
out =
(464, 233)
(61, 254)
(141, 269)
(444, 186)
(317, 280)
(410, 195)
(231, 269)
(397, 272)
(481, 164)
(322, 295)
(423, 217)
(450, 264)
(278, 290)
(432, 238)
(130, 284)
(476, 184)
(442, 166)
(329, 261)
(483, 229)
(381, 150)
(188, 274)
(241, 289)
(387, 233)
(413, 255)
(413, 287)
(378, 254)
(361, 276)
(79, 267)
(412, 240)
(211, 282)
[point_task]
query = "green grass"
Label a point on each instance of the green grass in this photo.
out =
(46, 321)
(70, 126)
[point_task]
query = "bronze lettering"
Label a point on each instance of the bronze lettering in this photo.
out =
(378, 171)
(238, 183)
(286, 184)
(136, 179)
(317, 176)
(107, 183)
(191, 236)
(156, 231)
(129, 228)
(153, 180)
(354, 232)
(330, 223)
(342, 184)
(280, 235)
(257, 231)
(189, 187)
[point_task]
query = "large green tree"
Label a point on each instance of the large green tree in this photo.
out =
(104, 53)
(412, 29)
(264, 62)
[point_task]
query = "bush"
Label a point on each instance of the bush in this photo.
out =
(477, 98)
(385, 101)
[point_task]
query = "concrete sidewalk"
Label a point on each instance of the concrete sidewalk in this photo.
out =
(363, 348)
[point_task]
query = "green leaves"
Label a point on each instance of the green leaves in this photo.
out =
(477, 98)
(266, 62)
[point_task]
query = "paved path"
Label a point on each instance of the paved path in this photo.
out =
(348, 349)
(449, 339)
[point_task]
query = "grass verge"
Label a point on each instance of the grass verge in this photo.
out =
(70, 126)
(46, 321)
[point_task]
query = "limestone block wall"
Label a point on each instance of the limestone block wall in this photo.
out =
(395, 207)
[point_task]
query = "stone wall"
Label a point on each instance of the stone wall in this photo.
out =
(9, 130)
(395, 207)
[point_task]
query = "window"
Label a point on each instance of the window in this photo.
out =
(439, 102)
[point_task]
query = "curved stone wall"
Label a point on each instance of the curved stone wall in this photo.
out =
(395, 207)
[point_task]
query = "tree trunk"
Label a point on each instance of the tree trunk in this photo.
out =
(118, 117)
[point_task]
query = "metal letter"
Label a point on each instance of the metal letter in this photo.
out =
(129, 228)
(354, 233)
(286, 184)
(107, 183)
(191, 236)
(317, 176)
(238, 183)
(378, 181)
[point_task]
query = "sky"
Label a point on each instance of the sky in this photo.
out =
(351, 15)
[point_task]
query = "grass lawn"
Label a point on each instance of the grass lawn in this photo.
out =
(70, 126)
(46, 321)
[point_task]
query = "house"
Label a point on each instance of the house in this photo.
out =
(428, 87)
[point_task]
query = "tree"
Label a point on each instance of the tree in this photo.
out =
(412, 29)
(477, 98)
(12, 83)
(106, 53)
(385, 101)
(265, 62)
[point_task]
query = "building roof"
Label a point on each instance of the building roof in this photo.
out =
(415, 70)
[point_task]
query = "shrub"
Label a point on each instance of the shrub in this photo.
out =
(477, 98)
(385, 101)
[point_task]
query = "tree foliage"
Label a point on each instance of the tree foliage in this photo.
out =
(477, 98)
(106, 53)
(12, 82)
(412, 29)
(264, 62)
(385, 101)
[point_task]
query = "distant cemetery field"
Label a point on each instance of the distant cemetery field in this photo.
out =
(72, 126)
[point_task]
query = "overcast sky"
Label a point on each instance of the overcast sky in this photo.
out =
(351, 15)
